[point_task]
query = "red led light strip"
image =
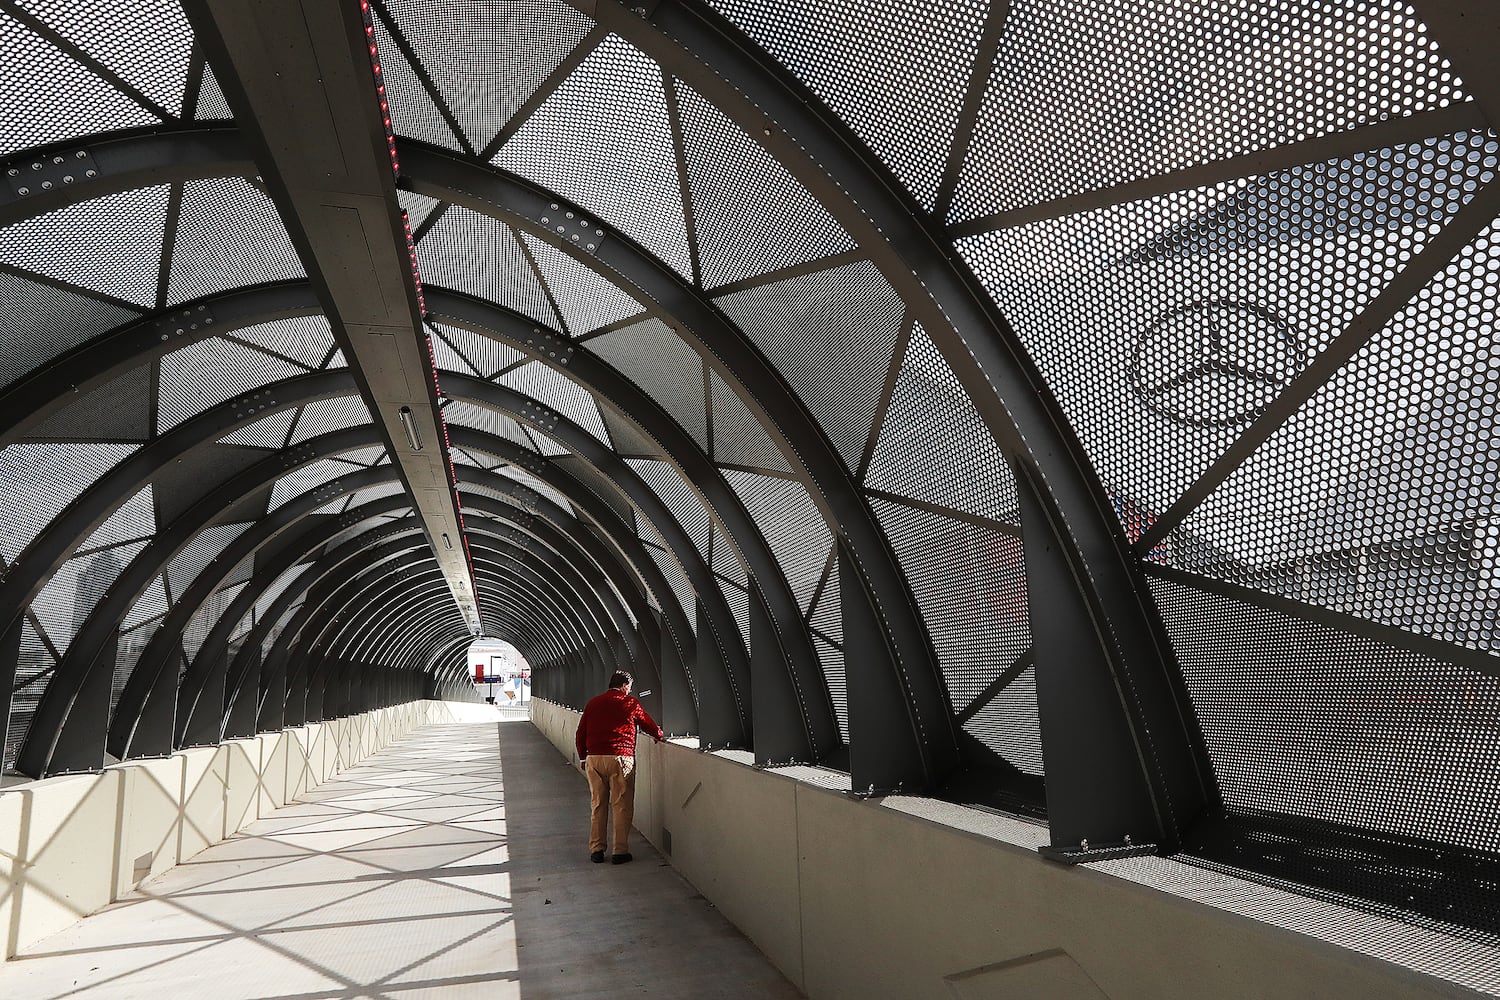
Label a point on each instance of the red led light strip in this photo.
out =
(411, 251)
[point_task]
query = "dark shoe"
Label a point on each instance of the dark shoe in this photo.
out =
(620, 859)
(597, 857)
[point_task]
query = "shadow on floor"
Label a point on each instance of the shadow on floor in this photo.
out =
(448, 865)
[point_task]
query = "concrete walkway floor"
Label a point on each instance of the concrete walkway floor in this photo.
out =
(452, 864)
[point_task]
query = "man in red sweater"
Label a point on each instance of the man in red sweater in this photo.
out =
(606, 744)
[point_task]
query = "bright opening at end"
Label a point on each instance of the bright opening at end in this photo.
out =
(501, 673)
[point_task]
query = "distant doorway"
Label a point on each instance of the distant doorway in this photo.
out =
(501, 673)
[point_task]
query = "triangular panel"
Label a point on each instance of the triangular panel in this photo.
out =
(587, 299)
(110, 244)
(751, 215)
(556, 390)
(229, 235)
(831, 335)
(935, 447)
(793, 527)
(50, 477)
(68, 100)
(201, 375)
(480, 256)
(603, 140)
(739, 438)
(662, 364)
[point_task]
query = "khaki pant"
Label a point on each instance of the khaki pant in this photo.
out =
(611, 796)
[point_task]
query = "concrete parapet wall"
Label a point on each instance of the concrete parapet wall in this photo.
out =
(73, 844)
(854, 899)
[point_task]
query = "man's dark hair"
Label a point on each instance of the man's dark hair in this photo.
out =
(621, 678)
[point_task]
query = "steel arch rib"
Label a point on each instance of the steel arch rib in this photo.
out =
(913, 253)
(933, 749)
(156, 656)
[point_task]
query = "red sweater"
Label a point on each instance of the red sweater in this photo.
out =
(607, 728)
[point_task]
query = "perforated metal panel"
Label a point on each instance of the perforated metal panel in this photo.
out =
(485, 356)
(1377, 498)
(831, 335)
(682, 500)
(146, 42)
(228, 235)
(1161, 84)
(413, 110)
(740, 439)
(1306, 719)
(587, 299)
(324, 416)
(307, 340)
(42, 321)
(202, 375)
(662, 364)
(970, 584)
(547, 385)
(1166, 326)
(49, 476)
(462, 414)
(934, 447)
(603, 141)
(486, 60)
(33, 668)
(195, 557)
(62, 606)
(66, 100)
(110, 244)
(268, 432)
(751, 216)
(895, 72)
(479, 256)
(793, 526)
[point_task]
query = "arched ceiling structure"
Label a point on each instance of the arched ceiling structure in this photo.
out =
(1081, 410)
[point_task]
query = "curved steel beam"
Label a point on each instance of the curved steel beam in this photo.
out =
(1135, 665)
(125, 161)
(213, 673)
(157, 655)
(716, 712)
(929, 741)
(635, 489)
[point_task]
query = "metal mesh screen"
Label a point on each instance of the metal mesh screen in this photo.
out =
(933, 445)
(1159, 82)
(120, 409)
(110, 244)
(486, 356)
(587, 299)
(549, 386)
(831, 335)
(1378, 497)
(750, 215)
(1307, 719)
(602, 140)
(41, 321)
(740, 439)
(487, 60)
(202, 375)
(480, 256)
(147, 42)
(1165, 326)
(306, 340)
(792, 524)
(970, 585)
(662, 364)
(895, 72)
(228, 235)
(682, 500)
(324, 416)
(49, 476)
(64, 99)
